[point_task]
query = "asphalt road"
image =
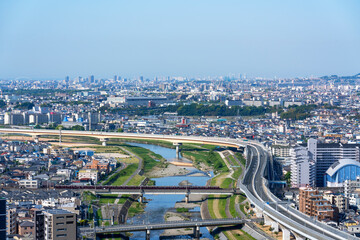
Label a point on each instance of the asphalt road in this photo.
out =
(254, 182)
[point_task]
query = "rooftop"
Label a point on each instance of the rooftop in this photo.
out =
(57, 211)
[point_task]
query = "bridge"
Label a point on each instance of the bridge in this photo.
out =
(105, 136)
(254, 185)
(195, 224)
(141, 190)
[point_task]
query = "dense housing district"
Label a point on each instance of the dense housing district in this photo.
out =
(310, 126)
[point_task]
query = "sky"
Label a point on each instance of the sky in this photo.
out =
(194, 38)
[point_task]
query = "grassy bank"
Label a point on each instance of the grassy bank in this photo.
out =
(136, 208)
(145, 141)
(150, 159)
(241, 158)
(217, 204)
(119, 178)
(210, 158)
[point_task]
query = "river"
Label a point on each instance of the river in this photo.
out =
(158, 205)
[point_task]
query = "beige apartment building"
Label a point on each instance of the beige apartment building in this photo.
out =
(312, 203)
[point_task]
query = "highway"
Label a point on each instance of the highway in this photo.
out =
(291, 218)
(254, 185)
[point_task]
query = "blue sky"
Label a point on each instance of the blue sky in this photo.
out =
(52, 38)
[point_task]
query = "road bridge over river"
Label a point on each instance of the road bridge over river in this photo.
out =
(195, 224)
(255, 183)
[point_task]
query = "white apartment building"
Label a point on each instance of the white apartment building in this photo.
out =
(350, 186)
(354, 200)
(302, 167)
(29, 183)
(64, 172)
(341, 202)
(280, 150)
(88, 174)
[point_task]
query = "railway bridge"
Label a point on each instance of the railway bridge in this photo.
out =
(156, 190)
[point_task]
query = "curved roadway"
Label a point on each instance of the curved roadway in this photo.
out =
(265, 200)
(253, 185)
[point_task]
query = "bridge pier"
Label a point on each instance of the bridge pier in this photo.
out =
(269, 222)
(147, 237)
(36, 138)
(275, 226)
(104, 140)
(141, 196)
(197, 232)
(187, 197)
(177, 145)
(286, 232)
(258, 212)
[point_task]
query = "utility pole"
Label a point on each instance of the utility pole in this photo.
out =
(60, 136)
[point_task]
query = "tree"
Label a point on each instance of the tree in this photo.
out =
(37, 126)
(25, 106)
(52, 126)
(2, 104)
(77, 128)
(59, 127)
(287, 177)
(120, 130)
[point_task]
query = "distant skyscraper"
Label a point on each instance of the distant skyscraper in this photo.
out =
(92, 79)
(67, 79)
(115, 78)
(141, 78)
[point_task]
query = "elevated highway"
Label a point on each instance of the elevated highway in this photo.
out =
(276, 213)
(254, 185)
(105, 136)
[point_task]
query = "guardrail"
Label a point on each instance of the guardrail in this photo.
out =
(168, 225)
(105, 187)
(289, 223)
(306, 230)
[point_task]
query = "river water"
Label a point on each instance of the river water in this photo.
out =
(158, 205)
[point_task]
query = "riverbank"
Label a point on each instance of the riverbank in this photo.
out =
(169, 171)
(222, 206)
(171, 207)
(163, 207)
